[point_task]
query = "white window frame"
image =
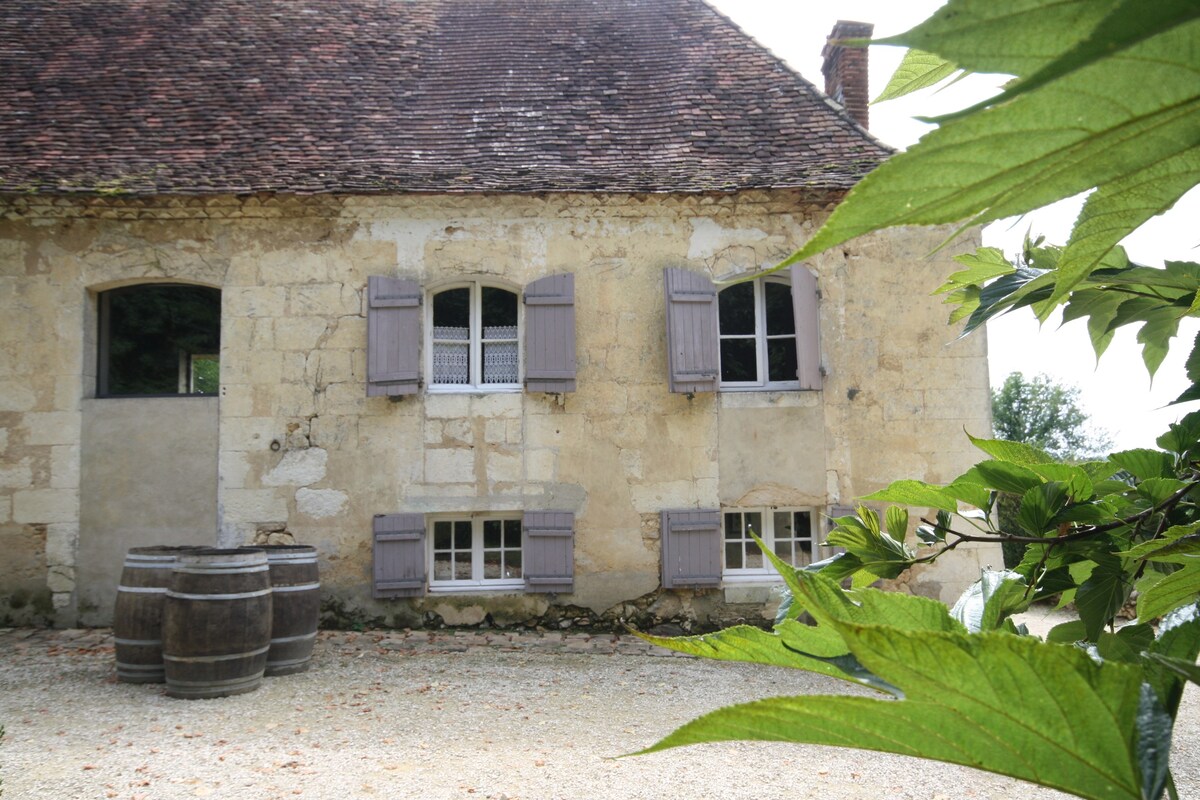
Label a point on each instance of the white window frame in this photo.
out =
(475, 341)
(760, 341)
(768, 573)
(477, 583)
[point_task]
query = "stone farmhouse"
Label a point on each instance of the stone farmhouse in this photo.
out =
(442, 288)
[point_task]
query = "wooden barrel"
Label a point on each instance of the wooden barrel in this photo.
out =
(217, 623)
(296, 606)
(137, 615)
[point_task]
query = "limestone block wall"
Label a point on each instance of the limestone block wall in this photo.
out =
(302, 452)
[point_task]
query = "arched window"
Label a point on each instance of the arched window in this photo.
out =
(757, 325)
(474, 338)
(159, 339)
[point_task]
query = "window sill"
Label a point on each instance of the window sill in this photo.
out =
(500, 587)
(748, 579)
(499, 389)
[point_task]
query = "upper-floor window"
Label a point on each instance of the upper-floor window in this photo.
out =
(757, 332)
(790, 533)
(474, 338)
(158, 339)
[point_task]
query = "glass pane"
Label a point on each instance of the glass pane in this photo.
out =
(499, 308)
(512, 533)
(733, 526)
(442, 567)
(783, 524)
(512, 564)
(462, 535)
(781, 316)
(491, 565)
(803, 523)
(804, 553)
(783, 549)
(736, 309)
(781, 360)
(462, 567)
(206, 374)
(754, 556)
(441, 535)
(500, 362)
(754, 522)
(491, 532)
(451, 362)
(452, 309)
(733, 555)
(739, 359)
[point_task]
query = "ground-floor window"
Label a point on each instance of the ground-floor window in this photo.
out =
(480, 550)
(791, 534)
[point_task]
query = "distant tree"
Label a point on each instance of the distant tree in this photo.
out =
(1046, 414)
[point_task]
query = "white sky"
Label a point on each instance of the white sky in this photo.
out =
(1117, 393)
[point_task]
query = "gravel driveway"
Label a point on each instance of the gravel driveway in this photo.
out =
(471, 715)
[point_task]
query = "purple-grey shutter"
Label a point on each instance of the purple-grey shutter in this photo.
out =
(692, 350)
(691, 548)
(393, 336)
(808, 327)
(550, 334)
(549, 551)
(399, 555)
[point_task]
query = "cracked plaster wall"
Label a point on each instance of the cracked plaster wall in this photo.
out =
(302, 447)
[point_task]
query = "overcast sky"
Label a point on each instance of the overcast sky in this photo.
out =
(1117, 393)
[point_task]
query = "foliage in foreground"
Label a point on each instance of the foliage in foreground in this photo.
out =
(1105, 97)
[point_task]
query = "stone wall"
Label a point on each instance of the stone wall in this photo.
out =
(303, 452)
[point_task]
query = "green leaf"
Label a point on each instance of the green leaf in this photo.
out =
(1007, 477)
(1178, 639)
(1101, 596)
(1144, 463)
(991, 600)
(918, 70)
(1192, 366)
(1067, 632)
(1017, 453)
(1154, 727)
(1181, 436)
(1159, 490)
(1002, 703)
(897, 522)
(1178, 589)
(916, 493)
(981, 265)
(1188, 670)
(1040, 506)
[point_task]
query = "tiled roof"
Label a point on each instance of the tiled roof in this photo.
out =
(237, 96)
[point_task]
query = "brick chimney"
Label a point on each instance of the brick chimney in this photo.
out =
(845, 69)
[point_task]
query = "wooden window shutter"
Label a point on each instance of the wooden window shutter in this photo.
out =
(808, 327)
(393, 336)
(550, 334)
(399, 555)
(691, 548)
(549, 551)
(692, 349)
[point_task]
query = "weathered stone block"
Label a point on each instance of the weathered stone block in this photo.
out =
(450, 466)
(46, 505)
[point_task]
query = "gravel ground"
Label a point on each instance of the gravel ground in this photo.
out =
(469, 716)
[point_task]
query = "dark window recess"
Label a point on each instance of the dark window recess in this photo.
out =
(159, 340)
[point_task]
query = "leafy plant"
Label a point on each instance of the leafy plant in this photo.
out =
(1042, 412)
(1104, 99)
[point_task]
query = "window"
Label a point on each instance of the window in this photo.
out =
(474, 336)
(159, 339)
(790, 533)
(476, 551)
(757, 333)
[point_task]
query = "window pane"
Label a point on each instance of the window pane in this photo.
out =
(499, 308)
(739, 360)
(754, 521)
(491, 565)
(754, 556)
(733, 555)
(783, 549)
(491, 532)
(452, 309)
(803, 524)
(442, 567)
(512, 533)
(781, 316)
(512, 564)
(441, 535)
(206, 374)
(733, 526)
(781, 360)
(451, 362)
(462, 567)
(500, 362)
(462, 535)
(736, 309)
(783, 524)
